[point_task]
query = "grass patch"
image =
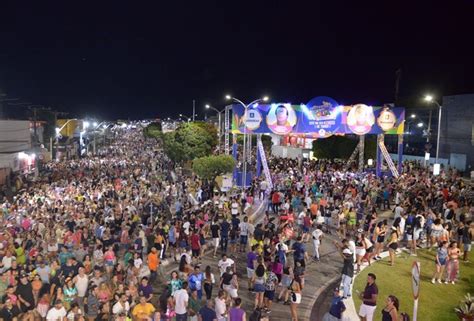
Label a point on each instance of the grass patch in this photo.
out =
(436, 301)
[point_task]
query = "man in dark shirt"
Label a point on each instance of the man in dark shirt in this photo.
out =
(225, 227)
(215, 235)
(68, 269)
(347, 268)
(337, 307)
(207, 312)
(369, 299)
(299, 252)
(145, 289)
(9, 311)
(24, 291)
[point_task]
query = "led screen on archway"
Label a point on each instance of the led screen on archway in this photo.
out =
(318, 120)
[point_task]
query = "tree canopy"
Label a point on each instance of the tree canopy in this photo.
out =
(189, 141)
(153, 130)
(209, 167)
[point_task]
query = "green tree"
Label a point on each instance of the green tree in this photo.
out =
(209, 167)
(211, 130)
(172, 148)
(189, 141)
(266, 140)
(153, 130)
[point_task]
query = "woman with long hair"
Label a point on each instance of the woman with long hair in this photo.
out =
(258, 281)
(390, 312)
(379, 236)
(175, 283)
(361, 248)
(440, 261)
(209, 281)
(452, 268)
(70, 292)
(285, 285)
(393, 245)
(295, 288)
(184, 267)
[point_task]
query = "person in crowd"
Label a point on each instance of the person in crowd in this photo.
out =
(393, 244)
(369, 299)
(317, 236)
(221, 306)
(236, 313)
(99, 231)
(207, 312)
(452, 268)
(390, 311)
(144, 310)
(181, 298)
(360, 248)
(336, 309)
(348, 267)
(295, 297)
(194, 305)
(440, 262)
(208, 282)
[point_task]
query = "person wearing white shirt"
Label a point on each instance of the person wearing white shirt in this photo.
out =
(398, 211)
(234, 208)
(81, 281)
(220, 306)
(244, 233)
(317, 236)
(122, 305)
(181, 298)
(224, 263)
(57, 312)
(7, 260)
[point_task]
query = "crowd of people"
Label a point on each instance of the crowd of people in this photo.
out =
(124, 235)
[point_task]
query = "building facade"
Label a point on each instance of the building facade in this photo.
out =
(457, 131)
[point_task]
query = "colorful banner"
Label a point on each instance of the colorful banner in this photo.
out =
(321, 117)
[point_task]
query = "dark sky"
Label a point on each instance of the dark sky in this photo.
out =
(114, 60)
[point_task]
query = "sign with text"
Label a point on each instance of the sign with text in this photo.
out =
(320, 118)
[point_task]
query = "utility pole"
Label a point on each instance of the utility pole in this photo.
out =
(429, 127)
(35, 109)
(194, 109)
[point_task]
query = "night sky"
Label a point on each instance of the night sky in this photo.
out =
(134, 61)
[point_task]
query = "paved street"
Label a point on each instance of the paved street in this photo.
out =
(318, 275)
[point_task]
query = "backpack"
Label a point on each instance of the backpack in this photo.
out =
(405, 317)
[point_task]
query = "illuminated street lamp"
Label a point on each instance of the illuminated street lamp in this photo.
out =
(430, 99)
(184, 116)
(419, 125)
(219, 134)
(413, 116)
(246, 106)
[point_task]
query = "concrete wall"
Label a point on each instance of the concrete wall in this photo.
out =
(287, 152)
(15, 136)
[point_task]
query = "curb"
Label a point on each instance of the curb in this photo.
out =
(351, 311)
(321, 289)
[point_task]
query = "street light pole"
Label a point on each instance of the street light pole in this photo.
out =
(430, 99)
(244, 153)
(439, 130)
(219, 126)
